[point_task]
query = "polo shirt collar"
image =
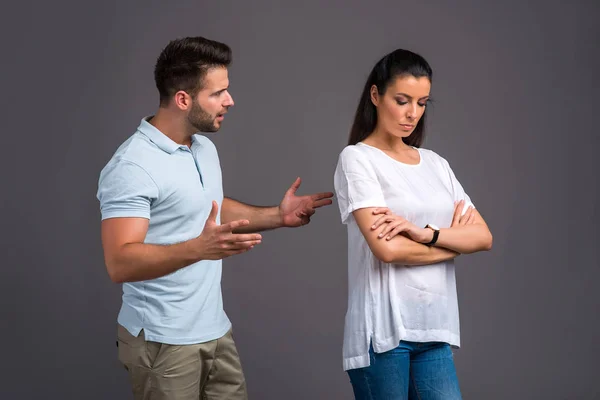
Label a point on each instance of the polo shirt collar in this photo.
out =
(161, 140)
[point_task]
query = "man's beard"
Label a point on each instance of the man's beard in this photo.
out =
(201, 120)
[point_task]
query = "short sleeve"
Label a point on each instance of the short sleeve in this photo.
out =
(125, 190)
(356, 184)
(458, 191)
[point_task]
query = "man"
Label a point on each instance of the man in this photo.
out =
(166, 227)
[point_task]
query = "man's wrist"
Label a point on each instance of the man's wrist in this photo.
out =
(193, 250)
(278, 220)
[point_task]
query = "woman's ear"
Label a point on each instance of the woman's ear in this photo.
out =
(374, 95)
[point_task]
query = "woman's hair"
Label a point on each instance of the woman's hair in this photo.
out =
(394, 65)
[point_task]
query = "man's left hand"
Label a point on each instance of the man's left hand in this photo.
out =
(296, 210)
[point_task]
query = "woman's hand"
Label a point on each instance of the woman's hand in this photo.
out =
(460, 220)
(396, 225)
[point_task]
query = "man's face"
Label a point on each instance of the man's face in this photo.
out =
(212, 101)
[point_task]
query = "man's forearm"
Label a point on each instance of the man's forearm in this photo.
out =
(261, 218)
(140, 261)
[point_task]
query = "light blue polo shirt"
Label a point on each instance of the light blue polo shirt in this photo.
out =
(150, 176)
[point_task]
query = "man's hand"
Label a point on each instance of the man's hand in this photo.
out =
(296, 210)
(218, 241)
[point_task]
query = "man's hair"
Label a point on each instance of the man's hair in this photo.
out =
(183, 64)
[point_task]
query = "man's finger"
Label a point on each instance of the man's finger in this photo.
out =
(295, 186)
(231, 226)
(319, 196)
(243, 245)
(230, 253)
(308, 212)
(244, 237)
(214, 211)
(321, 203)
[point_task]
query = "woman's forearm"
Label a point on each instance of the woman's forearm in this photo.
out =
(405, 251)
(399, 249)
(465, 239)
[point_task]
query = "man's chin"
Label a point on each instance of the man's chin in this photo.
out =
(209, 129)
(215, 128)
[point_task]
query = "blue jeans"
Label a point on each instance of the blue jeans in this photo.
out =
(419, 371)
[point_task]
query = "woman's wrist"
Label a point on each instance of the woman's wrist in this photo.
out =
(426, 235)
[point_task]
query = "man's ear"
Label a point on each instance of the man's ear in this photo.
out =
(182, 100)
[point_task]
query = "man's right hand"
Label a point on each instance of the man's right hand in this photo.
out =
(218, 241)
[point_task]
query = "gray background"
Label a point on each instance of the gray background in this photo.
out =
(516, 100)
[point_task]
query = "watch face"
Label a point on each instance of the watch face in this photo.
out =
(434, 227)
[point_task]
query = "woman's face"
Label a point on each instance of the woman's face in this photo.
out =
(402, 106)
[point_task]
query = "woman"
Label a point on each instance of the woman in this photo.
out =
(402, 317)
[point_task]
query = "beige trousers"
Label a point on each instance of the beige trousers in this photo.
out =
(205, 371)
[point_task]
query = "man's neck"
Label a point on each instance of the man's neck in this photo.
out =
(171, 126)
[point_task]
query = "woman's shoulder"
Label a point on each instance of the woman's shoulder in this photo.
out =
(432, 155)
(428, 152)
(357, 157)
(354, 151)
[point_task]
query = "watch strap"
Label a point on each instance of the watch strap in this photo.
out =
(436, 234)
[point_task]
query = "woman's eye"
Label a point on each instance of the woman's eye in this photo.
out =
(400, 102)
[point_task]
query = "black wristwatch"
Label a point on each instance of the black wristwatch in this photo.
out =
(436, 233)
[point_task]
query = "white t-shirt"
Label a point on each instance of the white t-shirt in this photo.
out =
(391, 302)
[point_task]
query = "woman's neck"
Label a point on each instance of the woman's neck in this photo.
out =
(385, 141)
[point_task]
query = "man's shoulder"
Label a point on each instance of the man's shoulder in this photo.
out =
(136, 153)
(137, 149)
